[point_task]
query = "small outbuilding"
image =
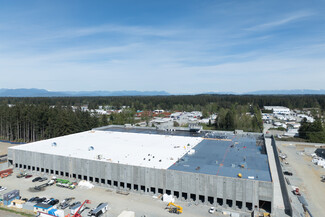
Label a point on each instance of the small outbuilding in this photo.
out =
(18, 203)
(8, 197)
(29, 206)
(42, 207)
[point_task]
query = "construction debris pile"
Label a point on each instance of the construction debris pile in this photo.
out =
(85, 184)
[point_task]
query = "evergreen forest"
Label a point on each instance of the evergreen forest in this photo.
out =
(29, 119)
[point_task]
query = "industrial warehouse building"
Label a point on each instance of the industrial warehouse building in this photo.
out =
(234, 171)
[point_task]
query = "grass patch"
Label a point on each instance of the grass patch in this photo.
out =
(17, 212)
(208, 127)
(291, 139)
(278, 128)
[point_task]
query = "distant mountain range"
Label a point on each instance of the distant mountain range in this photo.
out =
(45, 93)
(287, 92)
(275, 92)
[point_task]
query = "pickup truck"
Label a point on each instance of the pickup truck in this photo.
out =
(21, 175)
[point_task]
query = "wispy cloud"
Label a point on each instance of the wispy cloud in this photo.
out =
(118, 29)
(173, 50)
(280, 22)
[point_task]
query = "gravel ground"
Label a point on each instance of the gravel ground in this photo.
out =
(8, 214)
(306, 176)
(140, 204)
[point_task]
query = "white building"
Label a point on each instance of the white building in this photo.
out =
(162, 123)
(309, 119)
(292, 133)
(278, 109)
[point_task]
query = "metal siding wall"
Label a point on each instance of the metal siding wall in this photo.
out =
(202, 184)
(108, 170)
(183, 182)
(177, 182)
(136, 177)
(228, 187)
(169, 179)
(161, 178)
(186, 182)
(220, 187)
(249, 191)
(265, 192)
(239, 185)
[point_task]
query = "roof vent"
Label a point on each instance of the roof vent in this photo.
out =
(54, 144)
(91, 148)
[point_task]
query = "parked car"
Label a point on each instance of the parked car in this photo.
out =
(65, 203)
(99, 210)
(43, 179)
(74, 204)
(54, 201)
(33, 199)
(40, 200)
(212, 210)
(287, 173)
(28, 176)
(47, 201)
(36, 179)
(2, 188)
(90, 213)
(21, 175)
(51, 182)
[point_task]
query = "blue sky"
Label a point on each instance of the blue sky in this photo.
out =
(178, 46)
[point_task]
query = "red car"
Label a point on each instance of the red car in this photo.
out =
(28, 176)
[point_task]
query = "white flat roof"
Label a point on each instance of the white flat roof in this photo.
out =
(276, 107)
(146, 150)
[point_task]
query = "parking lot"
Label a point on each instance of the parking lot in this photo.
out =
(142, 205)
(306, 175)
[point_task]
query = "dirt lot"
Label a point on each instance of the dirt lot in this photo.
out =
(4, 147)
(306, 176)
(8, 214)
(142, 205)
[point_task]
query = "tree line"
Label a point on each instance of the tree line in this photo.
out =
(243, 117)
(178, 102)
(28, 123)
(36, 118)
(312, 132)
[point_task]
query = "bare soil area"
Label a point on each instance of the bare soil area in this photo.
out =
(4, 147)
(308, 178)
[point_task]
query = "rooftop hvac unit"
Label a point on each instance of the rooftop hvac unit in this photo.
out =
(91, 148)
(54, 144)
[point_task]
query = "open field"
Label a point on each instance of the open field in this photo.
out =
(306, 176)
(142, 205)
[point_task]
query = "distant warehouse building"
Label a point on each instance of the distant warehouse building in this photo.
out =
(223, 169)
(278, 109)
